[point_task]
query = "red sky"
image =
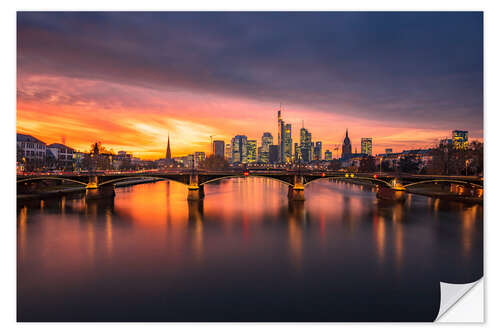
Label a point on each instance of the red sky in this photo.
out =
(130, 79)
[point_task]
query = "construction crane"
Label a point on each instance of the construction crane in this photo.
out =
(337, 149)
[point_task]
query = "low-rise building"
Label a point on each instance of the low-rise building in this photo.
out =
(62, 155)
(31, 152)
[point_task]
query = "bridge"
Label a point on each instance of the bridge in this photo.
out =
(389, 186)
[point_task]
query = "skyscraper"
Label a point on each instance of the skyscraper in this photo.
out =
(218, 148)
(346, 147)
(251, 151)
(239, 149)
(287, 144)
(274, 153)
(366, 146)
(267, 140)
(306, 145)
(281, 130)
(228, 154)
(318, 150)
(284, 139)
(297, 157)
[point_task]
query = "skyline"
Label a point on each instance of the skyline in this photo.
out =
(404, 79)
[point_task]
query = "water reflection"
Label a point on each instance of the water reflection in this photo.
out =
(244, 244)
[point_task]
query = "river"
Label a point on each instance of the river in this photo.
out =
(243, 254)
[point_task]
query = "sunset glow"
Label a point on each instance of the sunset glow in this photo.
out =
(94, 84)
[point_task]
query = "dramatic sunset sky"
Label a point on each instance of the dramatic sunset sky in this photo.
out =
(128, 79)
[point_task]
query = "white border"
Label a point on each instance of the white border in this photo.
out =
(8, 231)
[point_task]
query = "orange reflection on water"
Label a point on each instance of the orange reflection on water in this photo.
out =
(295, 243)
(468, 217)
(154, 210)
(379, 230)
(23, 216)
(398, 242)
(109, 232)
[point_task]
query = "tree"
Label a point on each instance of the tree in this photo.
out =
(367, 164)
(214, 162)
(408, 164)
(335, 165)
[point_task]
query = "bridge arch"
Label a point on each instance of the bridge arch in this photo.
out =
(383, 182)
(50, 178)
(443, 181)
(115, 180)
(243, 176)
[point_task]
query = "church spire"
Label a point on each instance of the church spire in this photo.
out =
(168, 156)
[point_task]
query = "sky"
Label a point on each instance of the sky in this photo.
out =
(130, 79)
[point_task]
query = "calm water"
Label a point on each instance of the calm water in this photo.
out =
(244, 255)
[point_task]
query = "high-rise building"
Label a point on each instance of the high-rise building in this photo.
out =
(281, 130)
(366, 146)
(460, 139)
(218, 148)
(228, 155)
(274, 151)
(284, 139)
(306, 145)
(297, 157)
(239, 149)
(388, 150)
(287, 144)
(318, 150)
(267, 140)
(328, 155)
(251, 151)
(346, 147)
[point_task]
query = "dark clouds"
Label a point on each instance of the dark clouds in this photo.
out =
(425, 68)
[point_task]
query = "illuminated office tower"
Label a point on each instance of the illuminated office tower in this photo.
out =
(318, 150)
(287, 144)
(328, 155)
(284, 139)
(228, 154)
(460, 139)
(267, 141)
(218, 148)
(306, 145)
(239, 149)
(366, 146)
(251, 151)
(281, 130)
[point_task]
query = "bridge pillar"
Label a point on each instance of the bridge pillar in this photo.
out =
(296, 192)
(195, 191)
(390, 194)
(93, 182)
(101, 192)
